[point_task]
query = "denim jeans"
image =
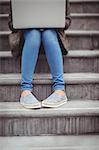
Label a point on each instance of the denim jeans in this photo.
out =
(33, 39)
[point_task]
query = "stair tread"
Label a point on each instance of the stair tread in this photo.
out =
(4, 15)
(82, 32)
(88, 142)
(71, 108)
(83, 1)
(71, 53)
(71, 14)
(4, 1)
(71, 1)
(84, 14)
(45, 78)
(67, 32)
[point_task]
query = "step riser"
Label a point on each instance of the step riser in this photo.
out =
(84, 23)
(4, 43)
(84, 7)
(83, 42)
(53, 126)
(75, 42)
(4, 23)
(4, 8)
(74, 91)
(71, 65)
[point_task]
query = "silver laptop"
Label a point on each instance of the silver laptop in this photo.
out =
(38, 13)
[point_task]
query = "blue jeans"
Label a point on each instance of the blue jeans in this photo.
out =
(33, 38)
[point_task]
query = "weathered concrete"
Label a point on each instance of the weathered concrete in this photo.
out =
(84, 6)
(76, 117)
(78, 86)
(75, 61)
(50, 143)
(76, 39)
(4, 6)
(72, 118)
(84, 21)
(4, 22)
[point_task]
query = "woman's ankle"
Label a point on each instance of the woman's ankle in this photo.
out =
(60, 92)
(25, 92)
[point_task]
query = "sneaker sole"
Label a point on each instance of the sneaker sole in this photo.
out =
(53, 105)
(31, 106)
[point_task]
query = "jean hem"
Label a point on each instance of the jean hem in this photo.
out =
(23, 89)
(59, 88)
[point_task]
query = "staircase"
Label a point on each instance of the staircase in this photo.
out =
(74, 126)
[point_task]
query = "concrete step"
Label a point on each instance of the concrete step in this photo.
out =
(86, 142)
(84, 6)
(73, 118)
(76, 6)
(4, 43)
(75, 61)
(4, 6)
(83, 21)
(82, 39)
(77, 39)
(4, 22)
(78, 86)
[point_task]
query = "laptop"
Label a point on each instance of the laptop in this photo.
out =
(38, 13)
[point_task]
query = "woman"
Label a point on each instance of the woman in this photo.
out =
(53, 40)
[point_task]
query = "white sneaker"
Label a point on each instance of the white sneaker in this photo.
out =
(30, 101)
(54, 100)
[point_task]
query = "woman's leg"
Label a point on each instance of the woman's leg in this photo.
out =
(54, 57)
(29, 57)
